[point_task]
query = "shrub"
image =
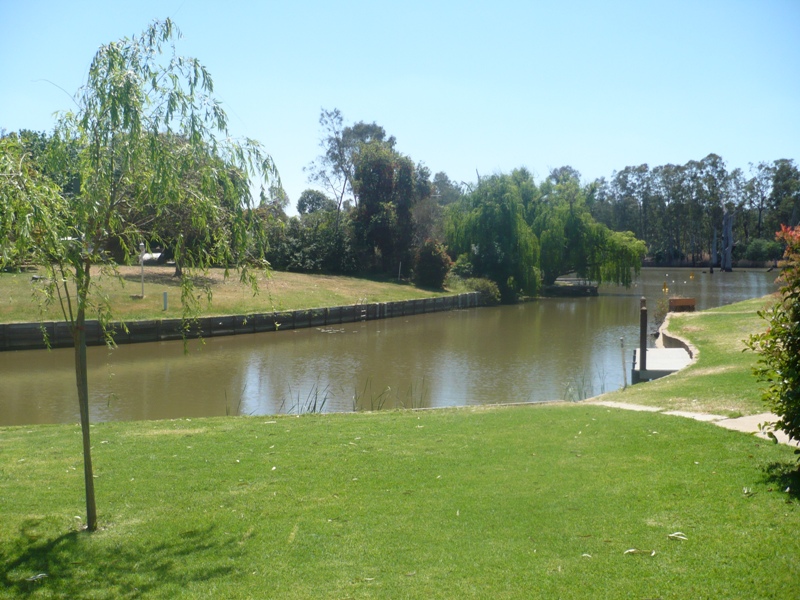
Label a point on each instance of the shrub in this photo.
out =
(431, 265)
(760, 250)
(490, 293)
(462, 267)
(779, 346)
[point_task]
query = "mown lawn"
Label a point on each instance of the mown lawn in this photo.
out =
(21, 297)
(555, 501)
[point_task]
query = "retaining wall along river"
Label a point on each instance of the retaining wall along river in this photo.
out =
(31, 336)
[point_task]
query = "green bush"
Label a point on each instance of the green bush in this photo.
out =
(462, 267)
(431, 265)
(760, 250)
(490, 293)
(779, 346)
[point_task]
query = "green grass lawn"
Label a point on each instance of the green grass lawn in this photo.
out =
(503, 502)
(20, 297)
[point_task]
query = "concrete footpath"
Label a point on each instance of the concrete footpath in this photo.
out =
(749, 424)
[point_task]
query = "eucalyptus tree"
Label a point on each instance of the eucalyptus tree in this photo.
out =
(387, 187)
(758, 190)
(334, 170)
(784, 198)
(139, 95)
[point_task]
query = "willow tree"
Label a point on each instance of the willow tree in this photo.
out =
(573, 242)
(488, 226)
(139, 95)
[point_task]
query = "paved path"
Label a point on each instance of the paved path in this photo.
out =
(748, 424)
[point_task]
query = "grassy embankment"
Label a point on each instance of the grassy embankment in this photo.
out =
(721, 381)
(20, 297)
(502, 502)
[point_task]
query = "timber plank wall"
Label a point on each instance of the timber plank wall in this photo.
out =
(28, 336)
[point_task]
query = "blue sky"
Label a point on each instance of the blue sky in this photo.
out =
(465, 87)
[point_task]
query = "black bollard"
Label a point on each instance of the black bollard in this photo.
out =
(643, 336)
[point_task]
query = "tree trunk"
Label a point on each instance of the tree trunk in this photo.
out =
(81, 377)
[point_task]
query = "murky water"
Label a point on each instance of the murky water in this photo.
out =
(544, 350)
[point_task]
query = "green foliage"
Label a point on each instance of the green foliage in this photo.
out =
(28, 201)
(488, 289)
(517, 233)
(335, 169)
(760, 250)
(312, 201)
(386, 185)
(312, 243)
(462, 267)
(489, 225)
(147, 145)
(431, 265)
(779, 346)
(571, 239)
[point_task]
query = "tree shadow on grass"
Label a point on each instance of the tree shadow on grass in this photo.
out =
(167, 279)
(77, 564)
(784, 475)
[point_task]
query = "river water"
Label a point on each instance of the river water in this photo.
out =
(549, 349)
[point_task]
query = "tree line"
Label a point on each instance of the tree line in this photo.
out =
(376, 211)
(679, 210)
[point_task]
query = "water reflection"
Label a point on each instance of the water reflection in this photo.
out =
(545, 350)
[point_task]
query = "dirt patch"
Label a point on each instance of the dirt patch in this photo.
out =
(709, 371)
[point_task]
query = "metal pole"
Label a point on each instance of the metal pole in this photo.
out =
(624, 367)
(643, 336)
(141, 262)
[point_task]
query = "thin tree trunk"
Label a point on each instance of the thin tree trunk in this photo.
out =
(81, 377)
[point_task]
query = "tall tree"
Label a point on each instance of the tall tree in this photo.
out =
(335, 169)
(137, 95)
(784, 199)
(488, 225)
(572, 241)
(387, 189)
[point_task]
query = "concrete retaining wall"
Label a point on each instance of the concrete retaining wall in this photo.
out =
(28, 336)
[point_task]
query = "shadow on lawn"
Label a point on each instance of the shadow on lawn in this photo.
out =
(74, 563)
(784, 475)
(166, 279)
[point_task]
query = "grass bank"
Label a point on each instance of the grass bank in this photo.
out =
(20, 296)
(558, 501)
(720, 381)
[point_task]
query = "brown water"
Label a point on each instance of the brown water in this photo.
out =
(545, 350)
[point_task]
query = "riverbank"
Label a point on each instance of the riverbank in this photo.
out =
(21, 293)
(539, 501)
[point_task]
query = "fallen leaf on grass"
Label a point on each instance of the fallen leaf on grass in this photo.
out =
(678, 536)
(637, 551)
